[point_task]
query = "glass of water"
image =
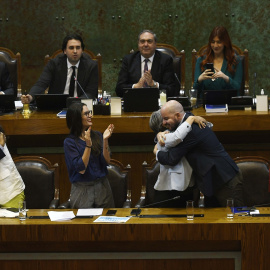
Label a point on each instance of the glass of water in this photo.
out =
(229, 208)
(190, 210)
(22, 210)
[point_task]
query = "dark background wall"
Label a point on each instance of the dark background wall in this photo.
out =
(36, 28)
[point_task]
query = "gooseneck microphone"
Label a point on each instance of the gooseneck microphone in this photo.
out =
(80, 86)
(138, 210)
(181, 92)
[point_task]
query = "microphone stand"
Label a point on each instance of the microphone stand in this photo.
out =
(138, 210)
(80, 86)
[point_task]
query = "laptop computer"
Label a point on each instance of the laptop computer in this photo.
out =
(141, 99)
(51, 101)
(7, 103)
(218, 97)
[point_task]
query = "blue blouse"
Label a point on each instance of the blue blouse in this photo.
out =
(235, 80)
(97, 165)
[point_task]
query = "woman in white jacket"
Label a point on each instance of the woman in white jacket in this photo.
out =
(11, 183)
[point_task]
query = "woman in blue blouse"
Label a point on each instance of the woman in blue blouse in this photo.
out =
(228, 67)
(87, 155)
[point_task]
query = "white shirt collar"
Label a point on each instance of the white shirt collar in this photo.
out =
(151, 58)
(70, 65)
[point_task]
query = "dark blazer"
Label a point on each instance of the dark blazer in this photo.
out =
(54, 76)
(212, 166)
(162, 72)
(5, 83)
(2, 154)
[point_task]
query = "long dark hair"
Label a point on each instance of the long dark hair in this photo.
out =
(74, 123)
(229, 54)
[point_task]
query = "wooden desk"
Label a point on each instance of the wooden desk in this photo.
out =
(141, 243)
(241, 132)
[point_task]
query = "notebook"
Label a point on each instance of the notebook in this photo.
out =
(218, 97)
(51, 101)
(7, 103)
(141, 99)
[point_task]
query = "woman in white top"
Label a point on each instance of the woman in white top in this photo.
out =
(11, 183)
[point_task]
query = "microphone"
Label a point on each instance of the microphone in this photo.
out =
(138, 210)
(181, 92)
(80, 86)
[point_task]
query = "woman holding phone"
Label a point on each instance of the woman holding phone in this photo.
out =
(87, 155)
(218, 68)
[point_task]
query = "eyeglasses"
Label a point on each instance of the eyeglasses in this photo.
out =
(87, 113)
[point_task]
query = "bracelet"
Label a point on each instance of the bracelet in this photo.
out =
(88, 146)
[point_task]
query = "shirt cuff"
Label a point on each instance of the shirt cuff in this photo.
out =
(157, 155)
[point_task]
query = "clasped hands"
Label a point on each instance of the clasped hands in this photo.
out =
(147, 77)
(2, 139)
(208, 74)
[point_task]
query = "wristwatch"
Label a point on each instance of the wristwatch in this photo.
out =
(154, 85)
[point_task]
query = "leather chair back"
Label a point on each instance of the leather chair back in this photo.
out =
(255, 171)
(119, 181)
(13, 63)
(179, 63)
(39, 177)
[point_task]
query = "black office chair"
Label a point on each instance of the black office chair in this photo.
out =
(243, 55)
(118, 177)
(41, 181)
(255, 171)
(13, 63)
(89, 53)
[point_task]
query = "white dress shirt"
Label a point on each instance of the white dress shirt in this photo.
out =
(70, 70)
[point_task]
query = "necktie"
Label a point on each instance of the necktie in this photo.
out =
(145, 84)
(72, 82)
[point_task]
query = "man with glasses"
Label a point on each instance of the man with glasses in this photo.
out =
(61, 73)
(147, 67)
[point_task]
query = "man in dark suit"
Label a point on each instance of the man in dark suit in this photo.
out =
(59, 73)
(216, 174)
(147, 67)
(6, 86)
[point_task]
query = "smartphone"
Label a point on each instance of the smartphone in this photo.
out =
(136, 211)
(111, 212)
(210, 66)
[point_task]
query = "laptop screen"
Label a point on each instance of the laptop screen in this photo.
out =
(218, 97)
(141, 99)
(7, 103)
(51, 101)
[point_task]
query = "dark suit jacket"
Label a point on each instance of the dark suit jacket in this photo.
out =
(162, 72)
(54, 76)
(2, 154)
(211, 164)
(5, 83)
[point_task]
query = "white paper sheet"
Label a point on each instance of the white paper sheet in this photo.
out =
(90, 212)
(61, 216)
(112, 219)
(8, 214)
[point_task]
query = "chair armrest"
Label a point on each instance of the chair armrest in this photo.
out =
(54, 204)
(140, 203)
(65, 205)
(127, 204)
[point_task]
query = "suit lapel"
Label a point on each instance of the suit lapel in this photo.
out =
(155, 65)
